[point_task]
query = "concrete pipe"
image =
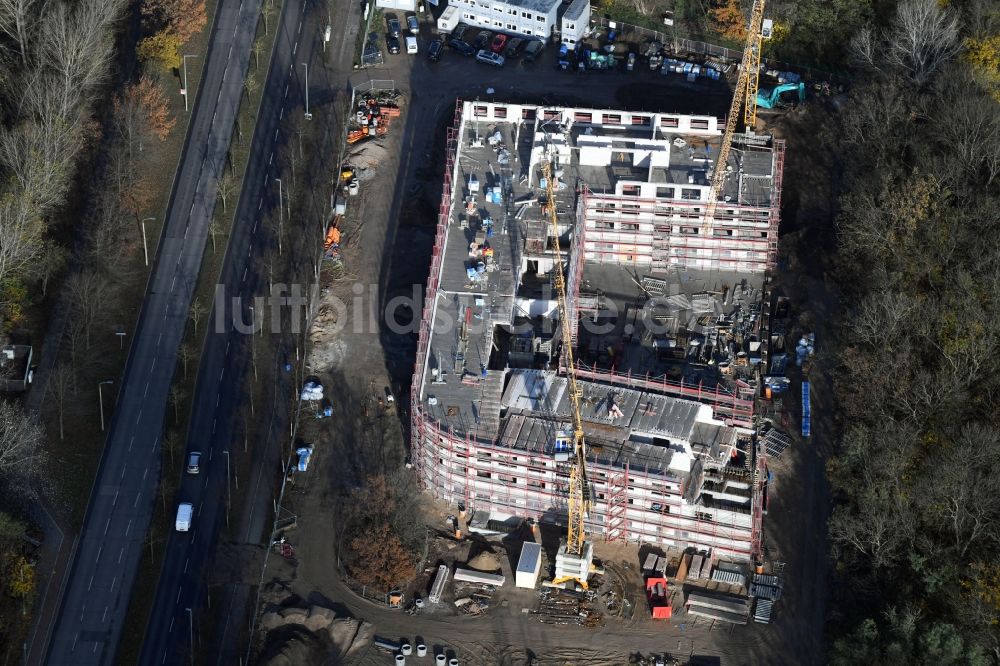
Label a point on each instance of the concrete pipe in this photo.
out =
(400, 660)
(421, 650)
(406, 649)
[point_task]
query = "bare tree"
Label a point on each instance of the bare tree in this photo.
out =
(177, 396)
(214, 229)
(925, 35)
(18, 20)
(87, 290)
(965, 490)
(185, 354)
(60, 382)
(258, 48)
(250, 86)
(196, 313)
(227, 187)
(21, 437)
(78, 48)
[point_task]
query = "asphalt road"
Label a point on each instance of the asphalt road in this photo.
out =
(96, 596)
(172, 634)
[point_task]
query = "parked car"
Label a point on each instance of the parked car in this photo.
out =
(482, 39)
(434, 50)
(461, 47)
(411, 44)
(630, 65)
(194, 462)
(393, 43)
(499, 42)
(460, 30)
(395, 29)
(514, 48)
(412, 23)
(533, 49)
(490, 58)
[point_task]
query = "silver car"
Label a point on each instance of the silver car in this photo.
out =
(490, 58)
(194, 462)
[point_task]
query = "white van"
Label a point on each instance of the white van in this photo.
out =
(184, 513)
(411, 44)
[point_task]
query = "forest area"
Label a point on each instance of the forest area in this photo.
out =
(83, 113)
(915, 527)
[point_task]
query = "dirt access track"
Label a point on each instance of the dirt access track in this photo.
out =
(387, 242)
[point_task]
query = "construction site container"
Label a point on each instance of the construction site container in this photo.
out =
(470, 576)
(437, 589)
(529, 565)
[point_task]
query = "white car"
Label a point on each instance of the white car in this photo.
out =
(490, 58)
(411, 44)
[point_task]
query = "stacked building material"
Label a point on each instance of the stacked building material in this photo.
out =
(724, 607)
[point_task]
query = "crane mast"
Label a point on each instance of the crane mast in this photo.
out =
(579, 496)
(744, 93)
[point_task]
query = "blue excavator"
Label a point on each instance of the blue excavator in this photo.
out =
(770, 99)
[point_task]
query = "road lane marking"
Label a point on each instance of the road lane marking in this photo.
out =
(144, 473)
(104, 617)
(136, 503)
(106, 525)
(138, 418)
(270, 159)
(214, 421)
(178, 594)
(128, 527)
(186, 562)
(115, 501)
(170, 631)
(222, 372)
(90, 585)
(100, 550)
(113, 581)
(121, 554)
(144, 394)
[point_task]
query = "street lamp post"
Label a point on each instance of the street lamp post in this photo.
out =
(229, 489)
(281, 215)
(308, 115)
(191, 631)
(145, 248)
(184, 65)
(100, 400)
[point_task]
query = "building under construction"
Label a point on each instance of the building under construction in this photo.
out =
(668, 315)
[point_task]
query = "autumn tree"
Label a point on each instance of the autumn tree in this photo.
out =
(729, 21)
(163, 47)
(182, 18)
(380, 560)
(141, 112)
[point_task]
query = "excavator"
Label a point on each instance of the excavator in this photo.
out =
(770, 99)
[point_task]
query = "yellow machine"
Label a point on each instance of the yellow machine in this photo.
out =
(579, 493)
(745, 93)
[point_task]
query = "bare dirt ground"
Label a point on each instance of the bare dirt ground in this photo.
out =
(388, 235)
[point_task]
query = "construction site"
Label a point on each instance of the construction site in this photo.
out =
(597, 366)
(668, 319)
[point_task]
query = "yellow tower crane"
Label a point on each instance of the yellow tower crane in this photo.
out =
(579, 493)
(745, 93)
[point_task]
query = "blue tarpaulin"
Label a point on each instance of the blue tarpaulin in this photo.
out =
(806, 426)
(305, 453)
